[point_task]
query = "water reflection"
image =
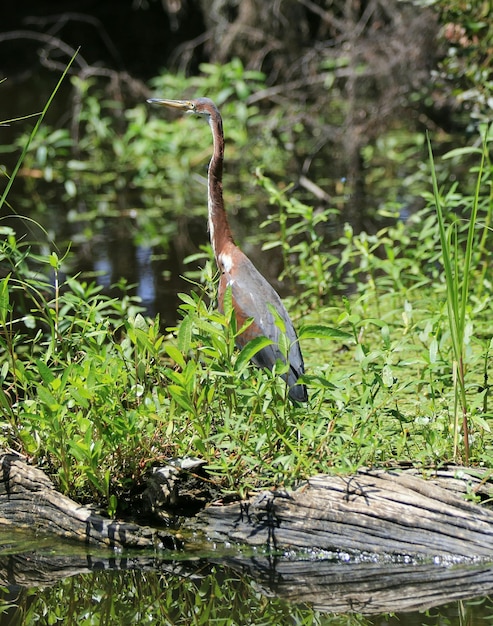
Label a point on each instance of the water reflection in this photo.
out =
(146, 288)
(45, 582)
(102, 267)
(108, 273)
(204, 594)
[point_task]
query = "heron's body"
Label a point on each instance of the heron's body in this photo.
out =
(250, 291)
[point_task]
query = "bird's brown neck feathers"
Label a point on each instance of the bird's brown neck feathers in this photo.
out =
(219, 230)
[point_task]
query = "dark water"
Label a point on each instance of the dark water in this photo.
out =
(45, 582)
(110, 256)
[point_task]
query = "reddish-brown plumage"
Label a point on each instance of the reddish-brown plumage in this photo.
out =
(251, 293)
(233, 278)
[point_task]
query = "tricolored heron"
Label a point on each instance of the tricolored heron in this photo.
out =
(251, 293)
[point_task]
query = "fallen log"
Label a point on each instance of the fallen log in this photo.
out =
(377, 541)
(382, 512)
(386, 513)
(28, 500)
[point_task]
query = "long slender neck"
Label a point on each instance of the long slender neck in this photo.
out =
(219, 230)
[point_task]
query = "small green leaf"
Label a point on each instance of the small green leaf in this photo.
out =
(461, 152)
(80, 396)
(433, 352)
(184, 335)
(481, 422)
(279, 321)
(45, 372)
(250, 350)
(112, 505)
(140, 323)
(319, 331)
(387, 376)
(187, 299)
(228, 303)
(54, 261)
(5, 401)
(4, 370)
(175, 354)
(46, 397)
(4, 296)
(247, 324)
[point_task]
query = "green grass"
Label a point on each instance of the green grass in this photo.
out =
(458, 269)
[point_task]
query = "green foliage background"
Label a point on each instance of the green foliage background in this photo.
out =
(96, 392)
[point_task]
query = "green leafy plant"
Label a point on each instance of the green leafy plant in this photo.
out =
(297, 230)
(97, 392)
(458, 268)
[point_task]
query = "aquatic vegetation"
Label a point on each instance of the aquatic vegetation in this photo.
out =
(96, 391)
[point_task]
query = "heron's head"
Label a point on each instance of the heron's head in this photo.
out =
(200, 106)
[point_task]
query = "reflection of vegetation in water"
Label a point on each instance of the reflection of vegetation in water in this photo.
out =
(216, 595)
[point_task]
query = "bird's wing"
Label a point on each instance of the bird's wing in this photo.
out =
(251, 295)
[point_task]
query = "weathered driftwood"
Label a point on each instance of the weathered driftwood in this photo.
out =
(28, 499)
(375, 511)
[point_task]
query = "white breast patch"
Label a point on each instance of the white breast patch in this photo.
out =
(226, 261)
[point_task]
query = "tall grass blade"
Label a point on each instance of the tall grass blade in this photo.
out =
(34, 131)
(457, 280)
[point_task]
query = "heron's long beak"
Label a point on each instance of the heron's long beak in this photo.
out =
(183, 105)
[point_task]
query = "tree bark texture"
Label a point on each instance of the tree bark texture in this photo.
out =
(386, 513)
(28, 500)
